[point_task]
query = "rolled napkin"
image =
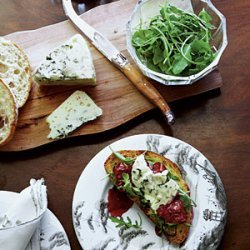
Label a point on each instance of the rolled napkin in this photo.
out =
(19, 224)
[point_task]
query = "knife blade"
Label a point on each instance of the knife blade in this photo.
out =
(120, 61)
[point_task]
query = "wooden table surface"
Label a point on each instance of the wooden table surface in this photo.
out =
(216, 123)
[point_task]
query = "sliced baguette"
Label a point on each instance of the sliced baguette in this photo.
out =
(8, 114)
(182, 230)
(15, 71)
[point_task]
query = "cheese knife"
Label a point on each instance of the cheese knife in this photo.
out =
(120, 61)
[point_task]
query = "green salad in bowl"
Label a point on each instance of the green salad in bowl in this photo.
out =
(176, 44)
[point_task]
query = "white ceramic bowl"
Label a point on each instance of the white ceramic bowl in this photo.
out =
(146, 9)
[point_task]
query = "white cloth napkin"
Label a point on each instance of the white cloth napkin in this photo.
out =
(19, 225)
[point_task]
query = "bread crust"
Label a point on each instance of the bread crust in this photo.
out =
(28, 71)
(14, 112)
(182, 230)
(17, 72)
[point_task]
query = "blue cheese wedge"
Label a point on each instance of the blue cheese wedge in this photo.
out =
(157, 188)
(69, 64)
(79, 108)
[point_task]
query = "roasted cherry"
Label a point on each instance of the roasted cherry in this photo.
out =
(119, 170)
(158, 168)
(173, 212)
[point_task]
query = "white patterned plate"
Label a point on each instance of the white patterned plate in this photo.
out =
(52, 236)
(90, 215)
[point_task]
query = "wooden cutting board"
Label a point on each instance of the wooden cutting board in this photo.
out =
(114, 93)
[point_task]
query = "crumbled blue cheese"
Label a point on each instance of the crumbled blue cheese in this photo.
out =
(71, 114)
(70, 63)
(158, 188)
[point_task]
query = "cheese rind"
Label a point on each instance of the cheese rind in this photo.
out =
(79, 108)
(69, 64)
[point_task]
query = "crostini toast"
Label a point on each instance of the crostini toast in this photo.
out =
(171, 208)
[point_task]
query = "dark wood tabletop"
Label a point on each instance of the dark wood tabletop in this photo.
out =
(216, 123)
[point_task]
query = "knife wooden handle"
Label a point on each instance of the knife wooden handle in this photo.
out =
(148, 90)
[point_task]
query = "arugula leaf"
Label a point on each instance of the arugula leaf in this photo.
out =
(130, 189)
(173, 177)
(127, 185)
(162, 225)
(186, 200)
(120, 222)
(126, 160)
(206, 18)
(136, 190)
(151, 159)
(152, 66)
(107, 176)
(180, 63)
(199, 46)
(158, 56)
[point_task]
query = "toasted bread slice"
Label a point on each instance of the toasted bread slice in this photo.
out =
(8, 114)
(181, 230)
(15, 71)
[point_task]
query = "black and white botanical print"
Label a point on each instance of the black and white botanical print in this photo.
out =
(55, 241)
(191, 162)
(97, 223)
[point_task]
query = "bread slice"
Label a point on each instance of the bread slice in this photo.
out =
(179, 232)
(15, 71)
(69, 64)
(8, 114)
